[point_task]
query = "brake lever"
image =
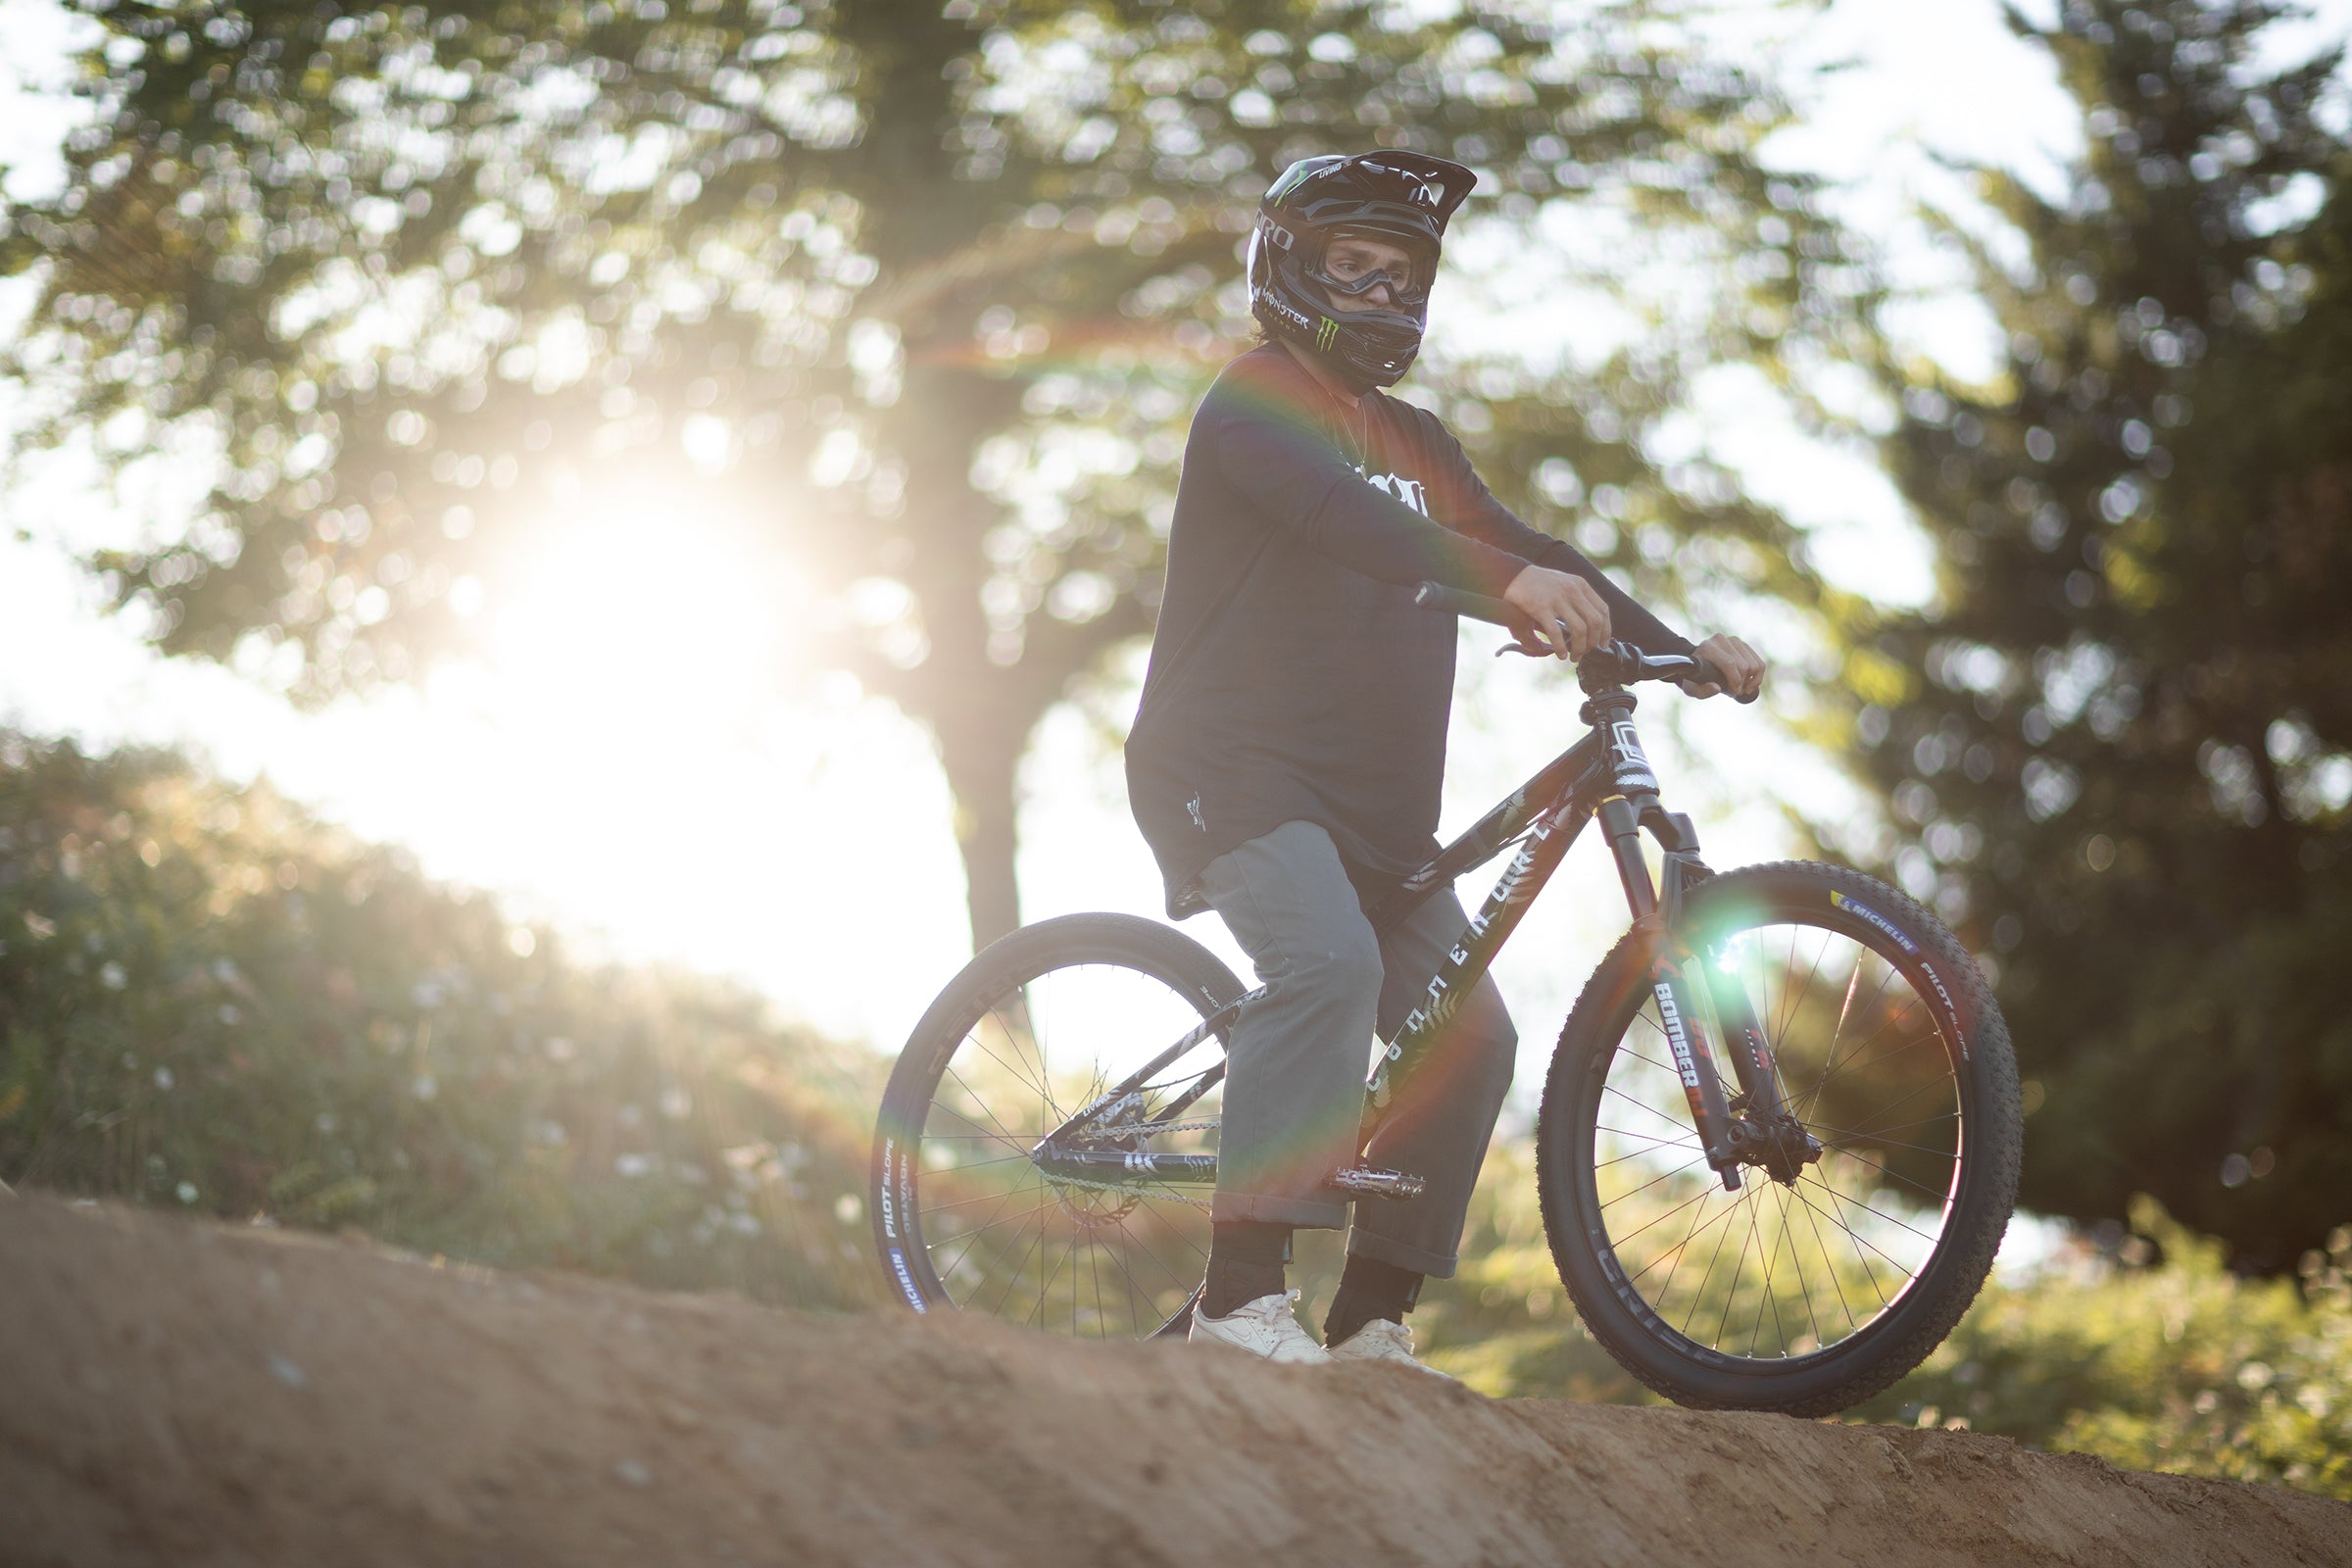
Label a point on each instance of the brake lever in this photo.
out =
(1528, 642)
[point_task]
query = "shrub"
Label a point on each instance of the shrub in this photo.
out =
(209, 1000)
(2176, 1365)
(2151, 1356)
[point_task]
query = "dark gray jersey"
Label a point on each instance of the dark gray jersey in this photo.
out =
(1292, 676)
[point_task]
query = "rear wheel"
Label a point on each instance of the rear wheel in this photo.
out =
(1810, 1292)
(1034, 1030)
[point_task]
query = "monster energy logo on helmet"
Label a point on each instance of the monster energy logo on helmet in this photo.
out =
(1404, 198)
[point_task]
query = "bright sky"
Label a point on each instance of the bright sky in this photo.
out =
(618, 784)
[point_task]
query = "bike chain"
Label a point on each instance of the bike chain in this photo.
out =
(1147, 1128)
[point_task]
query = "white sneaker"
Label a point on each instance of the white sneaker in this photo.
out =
(1266, 1328)
(1383, 1341)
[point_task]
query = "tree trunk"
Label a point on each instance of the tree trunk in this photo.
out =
(982, 761)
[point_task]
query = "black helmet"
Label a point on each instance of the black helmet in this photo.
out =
(1405, 197)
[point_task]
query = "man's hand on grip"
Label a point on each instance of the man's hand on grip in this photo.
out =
(1743, 669)
(1569, 616)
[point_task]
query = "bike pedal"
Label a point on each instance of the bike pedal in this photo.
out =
(1366, 1181)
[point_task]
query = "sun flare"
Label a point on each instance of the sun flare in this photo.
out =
(634, 612)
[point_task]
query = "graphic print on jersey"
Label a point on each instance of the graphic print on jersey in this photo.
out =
(1409, 491)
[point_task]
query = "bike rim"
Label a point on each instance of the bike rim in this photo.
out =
(1782, 1272)
(1111, 1261)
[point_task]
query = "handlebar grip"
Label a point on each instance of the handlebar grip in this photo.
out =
(1709, 676)
(1477, 607)
(1495, 612)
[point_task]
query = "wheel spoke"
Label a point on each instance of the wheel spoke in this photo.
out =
(1866, 1209)
(1873, 1135)
(1695, 1231)
(1700, 1295)
(1648, 1109)
(1731, 1297)
(1860, 1241)
(984, 1110)
(1013, 1278)
(1653, 1182)
(1896, 1174)
(1797, 1262)
(1845, 1008)
(1933, 1083)
(1705, 1193)
(1885, 1057)
(1829, 1069)
(971, 1237)
(1875, 1141)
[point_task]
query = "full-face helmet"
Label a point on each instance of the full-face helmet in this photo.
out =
(1401, 198)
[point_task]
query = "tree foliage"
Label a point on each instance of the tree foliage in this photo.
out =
(927, 290)
(2120, 732)
(207, 999)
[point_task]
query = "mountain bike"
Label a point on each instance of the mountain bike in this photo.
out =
(1778, 1141)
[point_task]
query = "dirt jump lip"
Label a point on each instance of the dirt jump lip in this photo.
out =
(188, 1393)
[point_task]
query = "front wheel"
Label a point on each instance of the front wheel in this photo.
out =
(1815, 1285)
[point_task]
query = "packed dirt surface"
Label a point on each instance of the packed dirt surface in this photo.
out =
(193, 1395)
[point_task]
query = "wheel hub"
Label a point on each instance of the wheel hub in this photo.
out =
(1781, 1147)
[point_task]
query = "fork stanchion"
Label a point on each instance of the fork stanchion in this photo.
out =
(1679, 1010)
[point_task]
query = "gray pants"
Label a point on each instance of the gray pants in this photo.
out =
(1299, 1056)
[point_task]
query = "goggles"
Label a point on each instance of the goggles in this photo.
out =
(1404, 287)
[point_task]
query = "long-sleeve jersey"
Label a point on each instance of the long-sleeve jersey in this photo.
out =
(1293, 677)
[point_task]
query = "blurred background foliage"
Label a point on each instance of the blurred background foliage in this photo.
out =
(923, 295)
(209, 1001)
(2116, 750)
(2134, 1344)
(927, 290)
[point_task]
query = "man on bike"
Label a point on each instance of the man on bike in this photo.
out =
(1288, 755)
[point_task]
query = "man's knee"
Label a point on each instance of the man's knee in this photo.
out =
(1342, 961)
(1496, 1037)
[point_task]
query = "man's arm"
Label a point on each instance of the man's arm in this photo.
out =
(1302, 484)
(1466, 505)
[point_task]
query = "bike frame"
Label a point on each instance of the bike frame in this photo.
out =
(1604, 776)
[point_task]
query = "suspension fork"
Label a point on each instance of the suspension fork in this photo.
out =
(1722, 993)
(1742, 1037)
(1686, 1000)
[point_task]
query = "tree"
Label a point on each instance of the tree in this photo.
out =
(2128, 756)
(933, 284)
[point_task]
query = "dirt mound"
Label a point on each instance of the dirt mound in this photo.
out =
(185, 1394)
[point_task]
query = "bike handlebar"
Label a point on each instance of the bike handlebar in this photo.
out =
(1618, 663)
